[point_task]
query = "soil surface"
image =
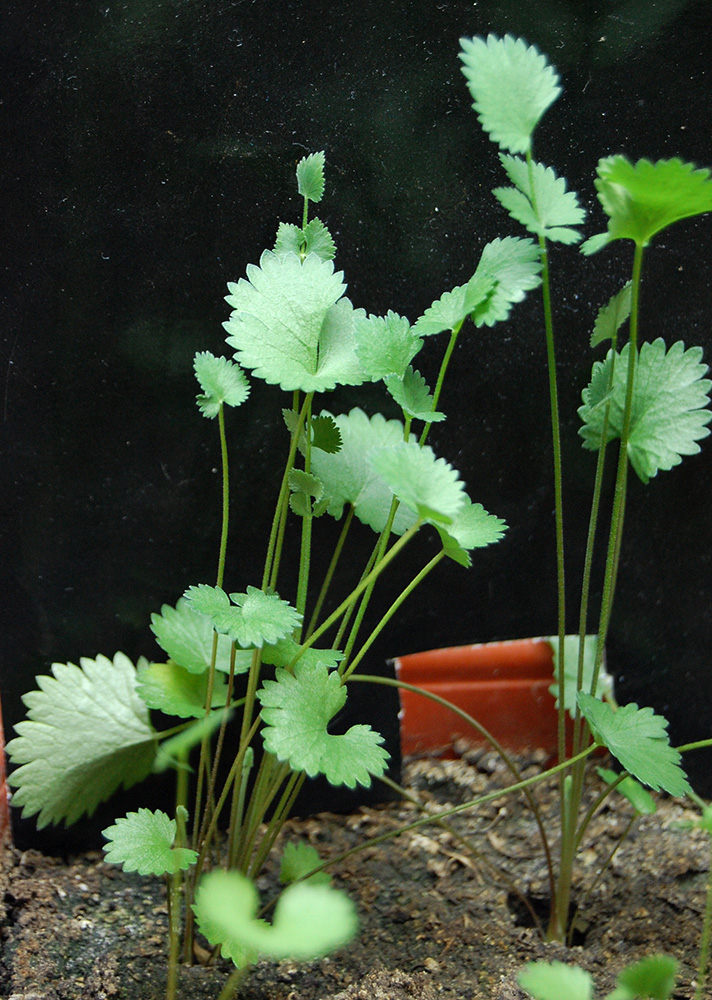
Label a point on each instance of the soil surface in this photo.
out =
(438, 915)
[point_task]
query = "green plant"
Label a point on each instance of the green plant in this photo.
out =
(652, 977)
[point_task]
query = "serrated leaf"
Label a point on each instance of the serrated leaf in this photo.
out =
(349, 477)
(540, 202)
(87, 733)
(668, 415)
(556, 981)
(427, 485)
(143, 842)
(254, 618)
(643, 198)
(612, 316)
(604, 685)
(326, 434)
(452, 308)
(222, 382)
(653, 977)
(511, 84)
(174, 691)
(298, 859)
(411, 392)
(515, 265)
(291, 325)
(631, 790)
(471, 528)
(310, 176)
(638, 738)
(318, 240)
(296, 710)
(290, 239)
(385, 344)
(286, 651)
(187, 636)
(309, 920)
(303, 487)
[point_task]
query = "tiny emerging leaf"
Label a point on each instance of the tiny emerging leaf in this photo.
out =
(556, 981)
(143, 842)
(310, 176)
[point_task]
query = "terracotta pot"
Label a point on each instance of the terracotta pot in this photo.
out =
(5, 828)
(503, 685)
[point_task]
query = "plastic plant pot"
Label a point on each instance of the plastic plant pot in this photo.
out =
(503, 685)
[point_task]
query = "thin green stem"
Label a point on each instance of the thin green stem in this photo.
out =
(336, 555)
(441, 377)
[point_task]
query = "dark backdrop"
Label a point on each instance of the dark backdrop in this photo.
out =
(148, 154)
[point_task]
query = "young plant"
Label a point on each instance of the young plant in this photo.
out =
(653, 977)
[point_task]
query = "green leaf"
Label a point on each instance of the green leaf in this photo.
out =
(452, 308)
(87, 733)
(471, 528)
(326, 434)
(511, 84)
(604, 686)
(515, 265)
(653, 976)
(290, 239)
(668, 416)
(143, 842)
(258, 618)
(187, 636)
(349, 477)
(309, 920)
(556, 981)
(638, 739)
(298, 859)
(612, 316)
(296, 710)
(222, 382)
(174, 751)
(426, 484)
(291, 325)
(173, 690)
(286, 651)
(314, 238)
(643, 198)
(385, 345)
(411, 392)
(541, 202)
(310, 176)
(303, 487)
(641, 799)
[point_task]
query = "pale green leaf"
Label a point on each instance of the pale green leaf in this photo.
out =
(290, 239)
(385, 345)
(143, 842)
(471, 528)
(349, 478)
(310, 921)
(427, 485)
(173, 690)
(643, 198)
(540, 202)
(604, 686)
(297, 709)
(310, 176)
(411, 392)
(452, 308)
(638, 738)
(253, 619)
(286, 651)
(556, 981)
(291, 325)
(187, 636)
(515, 265)
(87, 733)
(511, 84)
(669, 414)
(314, 238)
(222, 382)
(639, 797)
(173, 752)
(612, 316)
(303, 487)
(298, 859)
(652, 977)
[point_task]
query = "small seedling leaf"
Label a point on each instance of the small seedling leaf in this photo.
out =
(471, 528)
(427, 485)
(318, 240)
(411, 393)
(652, 977)
(175, 691)
(87, 733)
(310, 176)
(253, 619)
(222, 382)
(669, 414)
(604, 686)
(612, 316)
(385, 345)
(639, 797)
(291, 325)
(638, 738)
(298, 859)
(309, 920)
(297, 709)
(187, 636)
(290, 239)
(515, 265)
(540, 202)
(452, 308)
(511, 84)
(143, 842)
(349, 478)
(556, 981)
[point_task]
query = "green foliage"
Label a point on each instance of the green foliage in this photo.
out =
(572, 645)
(297, 709)
(222, 382)
(471, 528)
(612, 316)
(427, 485)
(539, 200)
(652, 977)
(187, 636)
(641, 800)
(298, 860)
(411, 392)
(175, 691)
(143, 842)
(88, 733)
(313, 238)
(310, 176)
(452, 308)
(669, 414)
(253, 619)
(385, 345)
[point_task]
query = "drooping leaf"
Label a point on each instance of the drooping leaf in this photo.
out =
(638, 738)
(669, 414)
(222, 382)
(175, 691)
(604, 685)
(291, 325)
(187, 636)
(411, 392)
(298, 859)
(385, 345)
(471, 528)
(143, 842)
(556, 981)
(253, 619)
(310, 176)
(540, 202)
(515, 265)
(427, 485)
(643, 198)
(452, 308)
(309, 920)
(653, 977)
(87, 733)
(297, 709)
(511, 84)
(639, 797)
(349, 478)
(612, 316)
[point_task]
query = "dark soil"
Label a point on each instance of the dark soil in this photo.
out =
(436, 920)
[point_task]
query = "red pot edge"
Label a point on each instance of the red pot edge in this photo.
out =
(5, 824)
